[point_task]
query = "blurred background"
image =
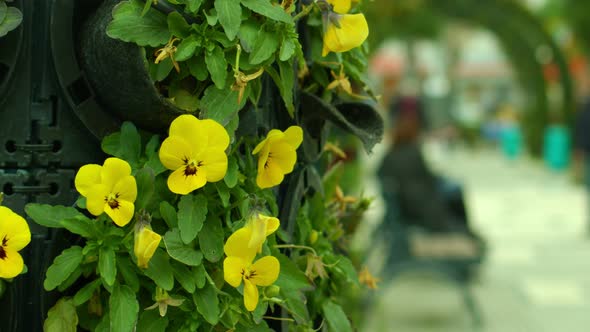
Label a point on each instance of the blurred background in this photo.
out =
(480, 218)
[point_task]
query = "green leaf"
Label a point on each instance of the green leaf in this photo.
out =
(129, 25)
(130, 143)
(51, 216)
(211, 17)
(211, 239)
(192, 211)
(168, 213)
(186, 48)
(145, 187)
(150, 321)
(62, 317)
(296, 305)
(107, 265)
(291, 277)
(3, 12)
(207, 303)
(129, 272)
(81, 226)
(287, 85)
(159, 71)
(220, 105)
(217, 66)
(86, 292)
(63, 265)
(267, 9)
(192, 5)
(336, 318)
(198, 68)
(200, 276)
(184, 99)
(123, 308)
(160, 271)
(231, 176)
(224, 194)
(178, 25)
(72, 278)
(184, 276)
(265, 46)
(287, 49)
(12, 20)
(180, 251)
(229, 13)
(248, 33)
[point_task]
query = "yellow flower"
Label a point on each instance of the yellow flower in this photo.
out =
(340, 6)
(261, 226)
(238, 266)
(146, 243)
(14, 236)
(277, 155)
(109, 188)
(344, 32)
(195, 151)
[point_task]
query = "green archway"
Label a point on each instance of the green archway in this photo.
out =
(520, 33)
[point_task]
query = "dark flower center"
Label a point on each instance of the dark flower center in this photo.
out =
(2, 251)
(112, 200)
(191, 166)
(247, 274)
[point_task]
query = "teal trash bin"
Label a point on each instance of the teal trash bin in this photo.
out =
(556, 147)
(511, 141)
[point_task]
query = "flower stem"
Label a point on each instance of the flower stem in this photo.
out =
(279, 318)
(295, 246)
(303, 13)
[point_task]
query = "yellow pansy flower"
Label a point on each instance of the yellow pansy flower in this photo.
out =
(146, 243)
(108, 188)
(344, 32)
(277, 155)
(340, 6)
(195, 151)
(14, 236)
(238, 267)
(261, 226)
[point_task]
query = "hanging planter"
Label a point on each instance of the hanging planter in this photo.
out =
(211, 211)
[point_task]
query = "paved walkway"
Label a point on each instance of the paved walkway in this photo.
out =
(537, 274)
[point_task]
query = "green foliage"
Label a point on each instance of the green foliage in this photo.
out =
(213, 56)
(62, 317)
(130, 25)
(10, 18)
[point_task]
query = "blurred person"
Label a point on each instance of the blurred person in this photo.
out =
(510, 133)
(469, 113)
(581, 147)
(423, 198)
(556, 144)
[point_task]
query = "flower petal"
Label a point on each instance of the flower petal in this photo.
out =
(283, 155)
(267, 271)
(233, 268)
(250, 295)
(352, 33)
(180, 183)
(146, 243)
(340, 6)
(272, 224)
(174, 151)
(237, 245)
(258, 228)
(126, 188)
(269, 176)
(294, 136)
(95, 201)
(217, 136)
(11, 265)
(122, 214)
(14, 229)
(214, 164)
(113, 171)
(87, 176)
(189, 128)
(271, 137)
